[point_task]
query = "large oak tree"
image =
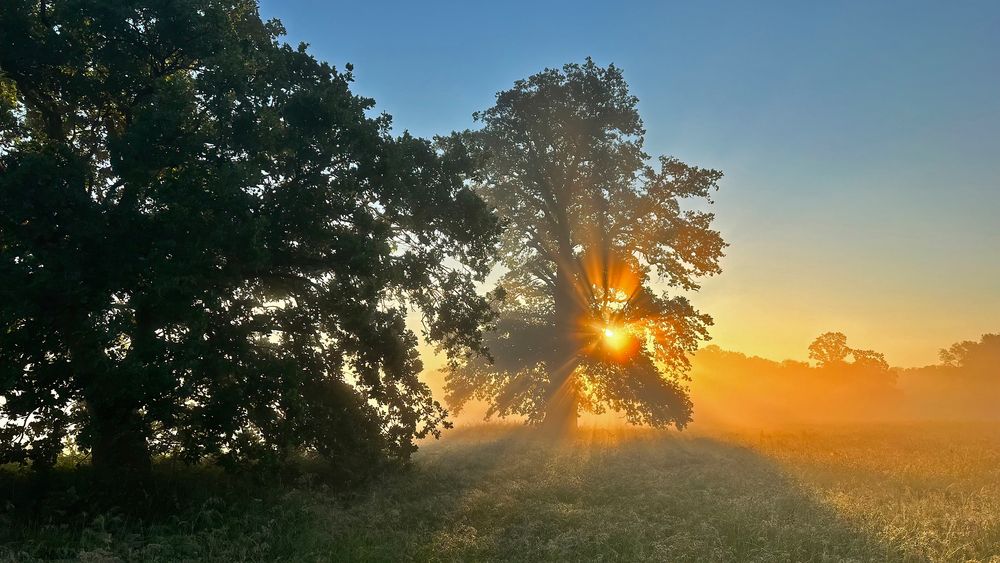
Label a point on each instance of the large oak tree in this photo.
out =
(208, 245)
(590, 226)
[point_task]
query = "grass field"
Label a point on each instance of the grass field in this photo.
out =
(867, 493)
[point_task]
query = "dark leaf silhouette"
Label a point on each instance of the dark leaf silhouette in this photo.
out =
(208, 247)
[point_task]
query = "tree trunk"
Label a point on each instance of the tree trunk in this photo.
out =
(563, 401)
(120, 452)
(562, 410)
(120, 449)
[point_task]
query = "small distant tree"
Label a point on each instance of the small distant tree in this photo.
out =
(870, 359)
(829, 349)
(590, 225)
(207, 246)
(972, 354)
(956, 354)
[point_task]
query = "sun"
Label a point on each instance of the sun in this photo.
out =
(614, 338)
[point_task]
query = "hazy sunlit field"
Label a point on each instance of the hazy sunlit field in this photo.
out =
(872, 493)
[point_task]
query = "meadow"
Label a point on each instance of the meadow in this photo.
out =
(915, 492)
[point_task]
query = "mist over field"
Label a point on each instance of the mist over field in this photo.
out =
(734, 389)
(736, 392)
(784, 461)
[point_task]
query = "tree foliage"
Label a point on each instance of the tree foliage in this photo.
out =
(590, 225)
(208, 245)
(830, 350)
(983, 355)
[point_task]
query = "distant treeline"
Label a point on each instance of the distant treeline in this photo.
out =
(733, 388)
(966, 384)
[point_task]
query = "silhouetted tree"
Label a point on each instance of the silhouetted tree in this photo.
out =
(972, 354)
(829, 349)
(964, 386)
(869, 359)
(589, 226)
(207, 247)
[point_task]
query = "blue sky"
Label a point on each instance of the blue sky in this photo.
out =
(859, 140)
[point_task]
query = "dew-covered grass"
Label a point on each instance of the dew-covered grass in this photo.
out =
(866, 493)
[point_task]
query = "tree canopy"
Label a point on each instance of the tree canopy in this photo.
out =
(208, 244)
(830, 350)
(983, 355)
(590, 225)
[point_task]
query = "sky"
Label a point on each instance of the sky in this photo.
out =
(859, 140)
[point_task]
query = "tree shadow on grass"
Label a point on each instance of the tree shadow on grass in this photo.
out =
(623, 495)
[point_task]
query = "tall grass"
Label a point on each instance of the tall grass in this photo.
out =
(876, 493)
